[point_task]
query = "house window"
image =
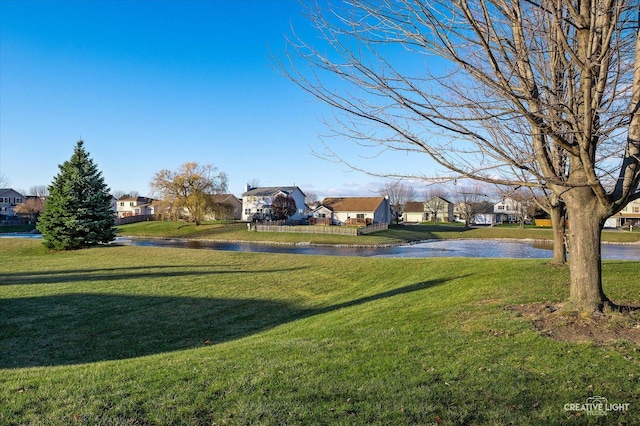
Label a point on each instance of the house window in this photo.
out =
(360, 216)
(121, 203)
(636, 209)
(247, 211)
(500, 207)
(131, 204)
(17, 200)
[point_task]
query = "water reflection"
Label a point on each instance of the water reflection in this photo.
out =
(433, 248)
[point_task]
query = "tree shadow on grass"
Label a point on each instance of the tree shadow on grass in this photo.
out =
(121, 273)
(83, 328)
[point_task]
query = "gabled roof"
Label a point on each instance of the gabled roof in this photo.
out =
(137, 199)
(269, 191)
(353, 204)
(414, 206)
(3, 190)
(322, 207)
(439, 197)
(223, 198)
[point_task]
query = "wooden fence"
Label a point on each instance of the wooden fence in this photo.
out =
(321, 229)
(134, 219)
(373, 228)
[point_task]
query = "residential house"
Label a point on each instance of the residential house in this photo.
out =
(9, 199)
(414, 212)
(629, 215)
(508, 210)
(226, 206)
(113, 204)
(321, 215)
(136, 206)
(438, 209)
(358, 210)
(256, 202)
(483, 214)
(480, 213)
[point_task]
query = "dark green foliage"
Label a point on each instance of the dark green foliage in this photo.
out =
(283, 207)
(78, 210)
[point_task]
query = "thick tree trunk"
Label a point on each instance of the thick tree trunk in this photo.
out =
(584, 242)
(557, 214)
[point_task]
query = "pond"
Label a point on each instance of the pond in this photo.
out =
(430, 248)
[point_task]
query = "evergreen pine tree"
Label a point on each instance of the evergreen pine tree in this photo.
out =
(78, 211)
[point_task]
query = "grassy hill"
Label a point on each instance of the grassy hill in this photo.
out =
(135, 335)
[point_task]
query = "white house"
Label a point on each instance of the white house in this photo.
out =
(136, 206)
(358, 210)
(480, 213)
(256, 202)
(507, 210)
(9, 199)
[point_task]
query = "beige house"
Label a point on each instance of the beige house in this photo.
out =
(356, 210)
(226, 206)
(414, 212)
(629, 215)
(438, 209)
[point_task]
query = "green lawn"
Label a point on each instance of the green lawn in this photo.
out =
(135, 335)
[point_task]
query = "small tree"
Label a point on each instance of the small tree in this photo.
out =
(468, 203)
(435, 203)
(283, 207)
(399, 194)
(190, 188)
(78, 211)
(32, 208)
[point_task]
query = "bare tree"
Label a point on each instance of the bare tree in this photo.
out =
(468, 201)
(399, 194)
(189, 188)
(555, 208)
(523, 203)
(254, 183)
(119, 193)
(539, 94)
(31, 208)
(310, 197)
(41, 191)
(436, 203)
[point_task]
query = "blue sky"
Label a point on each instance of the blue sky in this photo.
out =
(150, 85)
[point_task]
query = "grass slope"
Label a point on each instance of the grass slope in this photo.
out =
(131, 335)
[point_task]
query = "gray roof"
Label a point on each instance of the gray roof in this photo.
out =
(268, 191)
(3, 190)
